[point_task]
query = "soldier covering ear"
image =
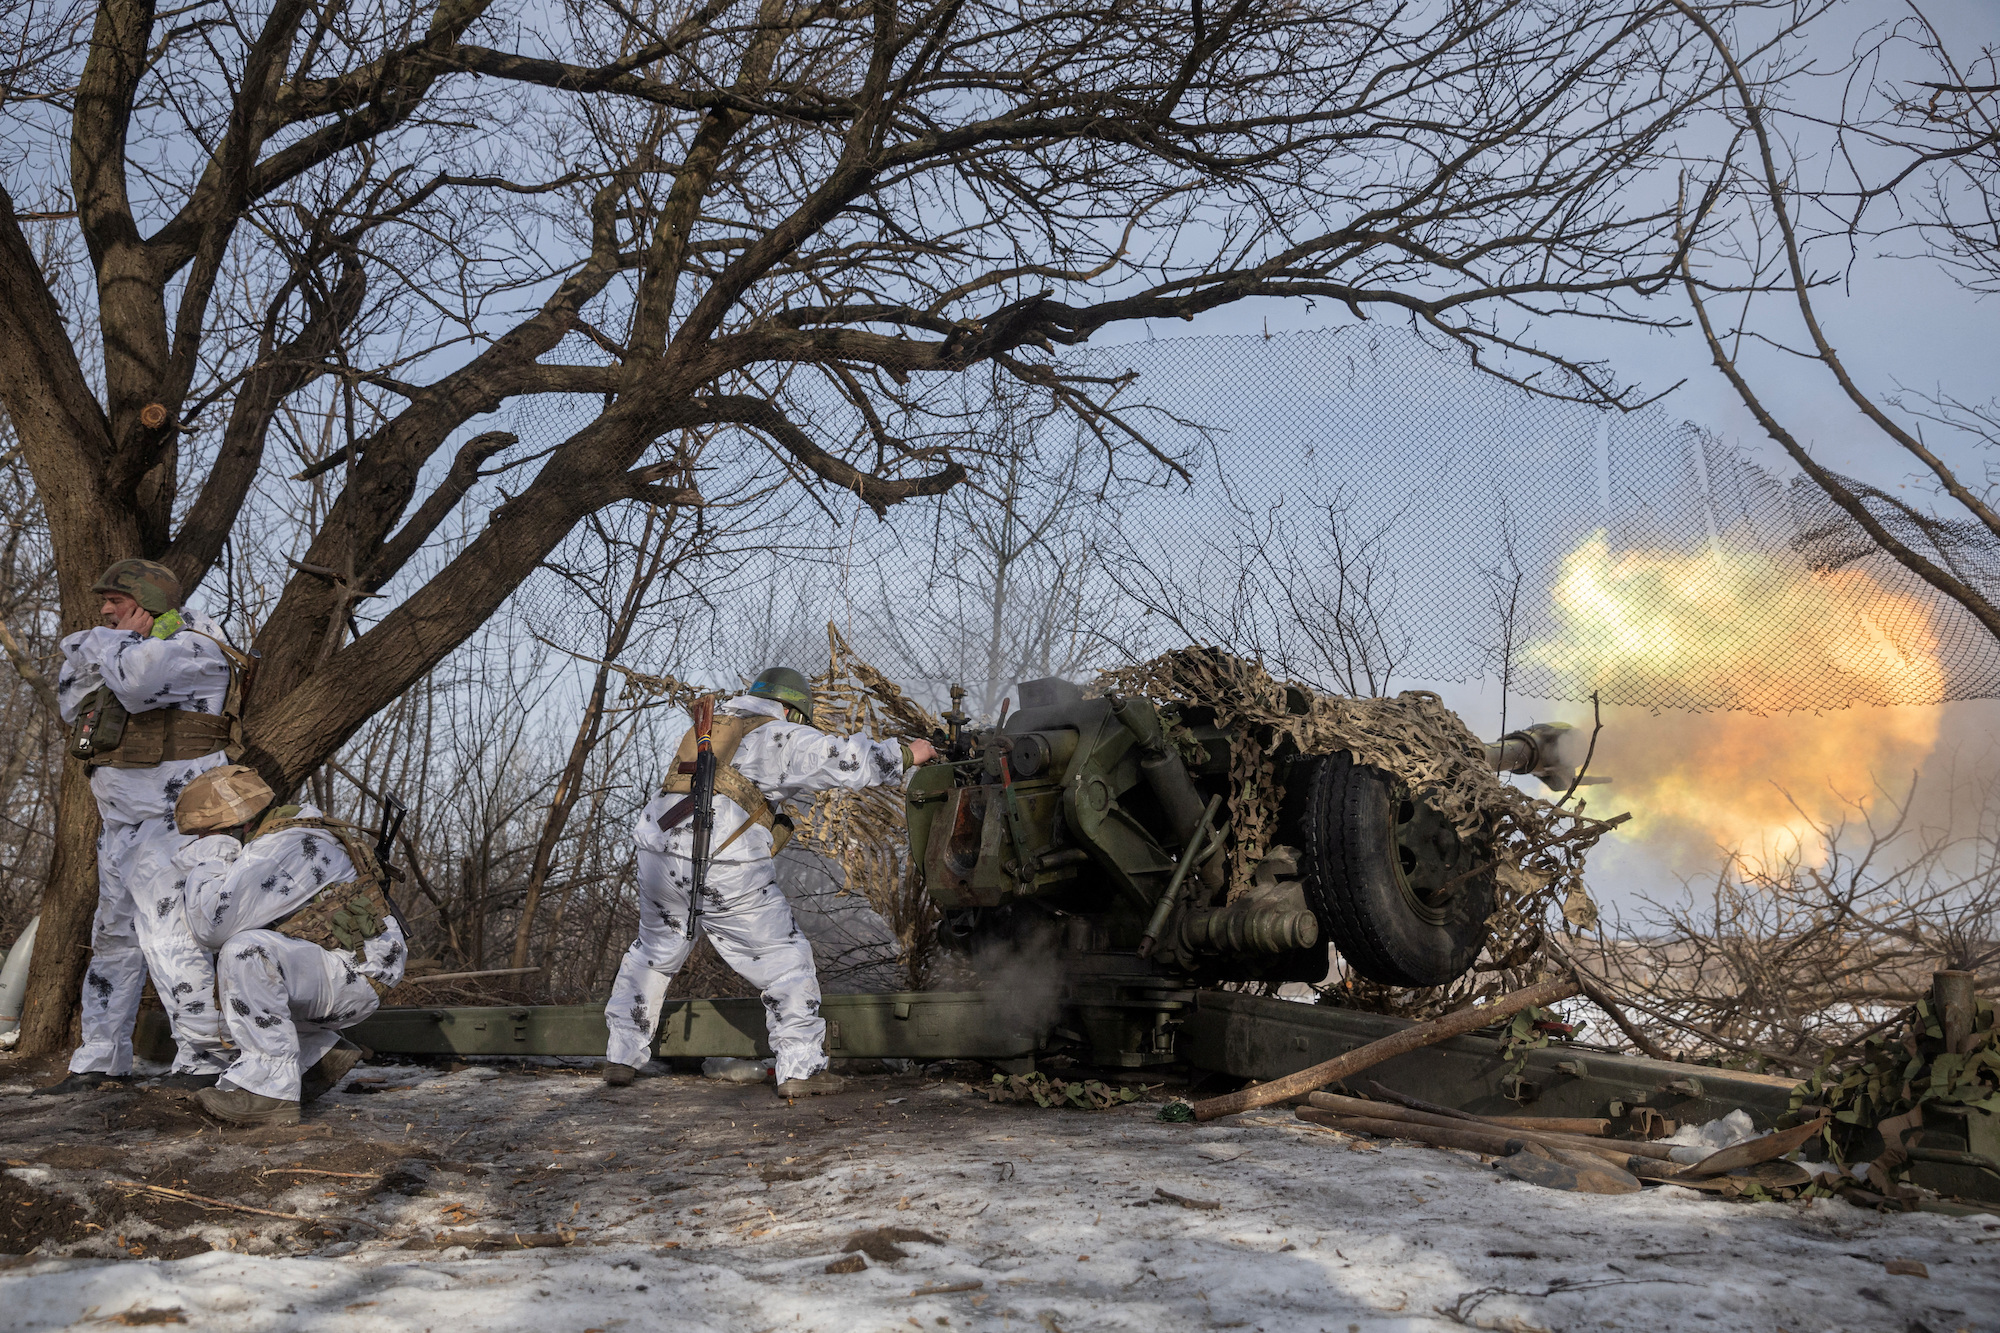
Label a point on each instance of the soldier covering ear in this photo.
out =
(149, 697)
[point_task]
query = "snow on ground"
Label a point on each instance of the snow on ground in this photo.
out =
(693, 1204)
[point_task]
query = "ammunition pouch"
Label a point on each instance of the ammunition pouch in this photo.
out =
(106, 736)
(99, 725)
(340, 918)
(727, 735)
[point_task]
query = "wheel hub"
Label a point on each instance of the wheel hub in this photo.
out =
(1432, 861)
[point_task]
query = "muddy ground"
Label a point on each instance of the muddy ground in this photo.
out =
(503, 1196)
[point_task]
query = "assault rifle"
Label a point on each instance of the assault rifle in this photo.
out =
(393, 812)
(702, 792)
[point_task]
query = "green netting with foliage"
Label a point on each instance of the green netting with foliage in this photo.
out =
(1039, 1088)
(1885, 1082)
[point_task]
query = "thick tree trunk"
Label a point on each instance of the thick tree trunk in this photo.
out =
(69, 902)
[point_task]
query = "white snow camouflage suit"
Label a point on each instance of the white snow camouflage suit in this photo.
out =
(742, 909)
(285, 1000)
(139, 923)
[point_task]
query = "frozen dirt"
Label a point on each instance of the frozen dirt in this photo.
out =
(692, 1204)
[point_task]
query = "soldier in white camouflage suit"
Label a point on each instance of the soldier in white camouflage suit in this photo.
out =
(158, 676)
(766, 752)
(299, 954)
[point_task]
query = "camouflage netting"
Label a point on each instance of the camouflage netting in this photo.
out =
(1540, 845)
(864, 831)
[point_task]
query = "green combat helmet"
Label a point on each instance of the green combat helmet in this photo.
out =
(151, 585)
(786, 686)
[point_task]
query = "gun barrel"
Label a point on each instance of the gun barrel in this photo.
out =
(1537, 751)
(1516, 752)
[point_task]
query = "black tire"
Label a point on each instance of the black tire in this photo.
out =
(1402, 896)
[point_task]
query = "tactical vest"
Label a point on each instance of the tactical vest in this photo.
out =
(340, 917)
(105, 735)
(724, 738)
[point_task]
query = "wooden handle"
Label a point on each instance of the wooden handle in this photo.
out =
(1375, 1052)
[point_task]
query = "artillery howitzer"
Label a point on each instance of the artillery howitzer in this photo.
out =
(1097, 829)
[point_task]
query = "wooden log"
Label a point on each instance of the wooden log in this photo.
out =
(1617, 1150)
(1491, 1141)
(1375, 1052)
(1584, 1126)
(1605, 1173)
(1588, 1125)
(1470, 1138)
(1653, 1168)
(1554, 1124)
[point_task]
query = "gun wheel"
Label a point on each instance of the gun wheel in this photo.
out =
(1402, 896)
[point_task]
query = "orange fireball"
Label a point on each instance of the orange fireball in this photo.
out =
(1751, 634)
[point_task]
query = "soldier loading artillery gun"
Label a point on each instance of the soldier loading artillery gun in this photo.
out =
(706, 845)
(1107, 822)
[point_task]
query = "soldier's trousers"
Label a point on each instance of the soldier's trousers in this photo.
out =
(746, 915)
(286, 1001)
(140, 926)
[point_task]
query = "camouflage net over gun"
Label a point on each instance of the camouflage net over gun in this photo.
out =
(864, 831)
(1539, 846)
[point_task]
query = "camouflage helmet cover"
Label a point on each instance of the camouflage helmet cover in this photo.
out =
(786, 686)
(221, 798)
(151, 585)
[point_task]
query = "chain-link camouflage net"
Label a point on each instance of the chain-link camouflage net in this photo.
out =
(1539, 846)
(1348, 495)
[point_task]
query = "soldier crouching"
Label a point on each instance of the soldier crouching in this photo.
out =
(306, 940)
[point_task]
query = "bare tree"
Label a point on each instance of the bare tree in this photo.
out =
(1503, 593)
(30, 756)
(649, 557)
(718, 213)
(1014, 579)
(1301, 588)
(1940, 138)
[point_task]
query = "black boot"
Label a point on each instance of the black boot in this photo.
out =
(183, 1082)
(88, 1081)
(332, 1067)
